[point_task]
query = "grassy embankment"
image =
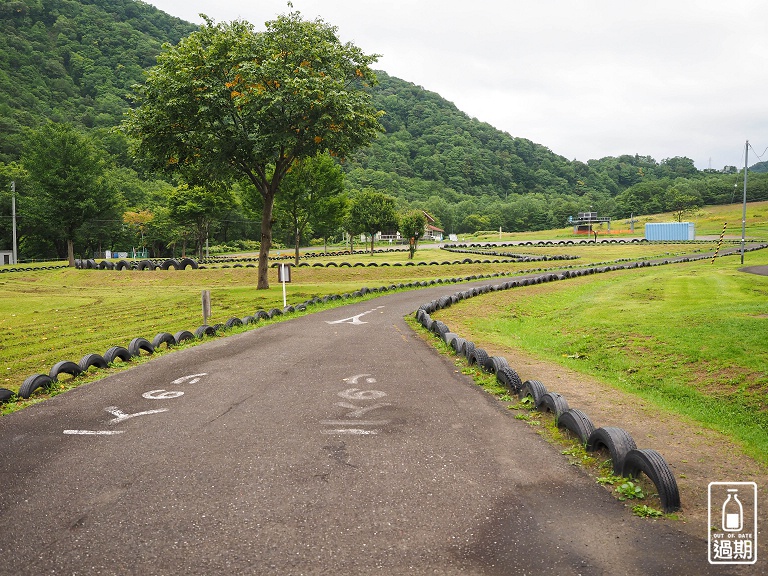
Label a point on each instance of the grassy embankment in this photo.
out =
(689, 337)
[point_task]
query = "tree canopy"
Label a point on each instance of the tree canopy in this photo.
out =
(228, 102)
(66, 171)
(74, 62)
(371, 212)
(307, 192)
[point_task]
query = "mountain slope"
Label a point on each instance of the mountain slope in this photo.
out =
(74, 61)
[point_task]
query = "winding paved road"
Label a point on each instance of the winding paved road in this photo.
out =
(336, 443)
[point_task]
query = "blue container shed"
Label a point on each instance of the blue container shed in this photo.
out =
(670, 231)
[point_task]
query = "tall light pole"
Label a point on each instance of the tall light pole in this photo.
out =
(744, 212)
(13, 214)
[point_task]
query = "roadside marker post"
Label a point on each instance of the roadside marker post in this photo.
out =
(720, 243)
(284, 276)
(206, 298)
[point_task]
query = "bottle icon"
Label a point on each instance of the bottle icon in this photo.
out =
(733, 512)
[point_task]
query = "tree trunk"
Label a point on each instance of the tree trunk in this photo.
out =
(373, 239)
(266, 239)
(71, 252)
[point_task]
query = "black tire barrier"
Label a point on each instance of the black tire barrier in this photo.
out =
(184, 262)
(261, 315)
(232, 322)
(653, 465)
(183, 335)
(163, 338)
(495, 363)
(170, 263)
(478, 356)
(92, 360)
(554, 403)
(534, 389)
(458, 344)
(204, 330)
(509, 379)
(468, 349)
(616, 440)
(65, 367)
(117, 353)
(440, 328)
(578, 423)
(6, 395)
(449, 337)
(138, 344)
(248, 320)
(145, 265)
(275, 312)
(122, 265)
(32, 383)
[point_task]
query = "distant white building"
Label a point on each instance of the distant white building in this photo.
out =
(431, 232)
(6, 257)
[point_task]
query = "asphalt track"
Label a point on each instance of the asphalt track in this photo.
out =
(335, 443)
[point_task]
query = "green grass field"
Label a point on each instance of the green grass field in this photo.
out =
(708, 221)
(690, 337)
(52, 315)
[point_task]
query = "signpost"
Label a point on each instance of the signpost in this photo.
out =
(284, 275)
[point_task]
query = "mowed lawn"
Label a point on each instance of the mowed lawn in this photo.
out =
(691, 337)
(686, 335)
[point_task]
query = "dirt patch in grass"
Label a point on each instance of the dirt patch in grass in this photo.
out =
(696, 455)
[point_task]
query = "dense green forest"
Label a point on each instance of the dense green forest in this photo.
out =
(74, 62)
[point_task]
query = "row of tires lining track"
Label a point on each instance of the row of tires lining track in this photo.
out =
(627, 460)
(167, 264)
(509, 256)
(172, 264)
(29, 269)
(546, 243)
(184, 263)
(137, 345)
(140, 345)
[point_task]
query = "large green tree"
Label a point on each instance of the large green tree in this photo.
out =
(65, 192)
(197, 208)
(371, 212)
(307, 185)
(229, 102)
(413, 225)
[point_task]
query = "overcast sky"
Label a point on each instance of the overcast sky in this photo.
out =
(585, 78)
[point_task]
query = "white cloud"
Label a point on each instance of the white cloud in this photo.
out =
(586, 78)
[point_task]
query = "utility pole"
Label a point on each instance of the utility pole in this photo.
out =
(13, 214)
(744, 212)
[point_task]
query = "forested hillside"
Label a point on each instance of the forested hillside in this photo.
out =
(473, 176)
(74, 62)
